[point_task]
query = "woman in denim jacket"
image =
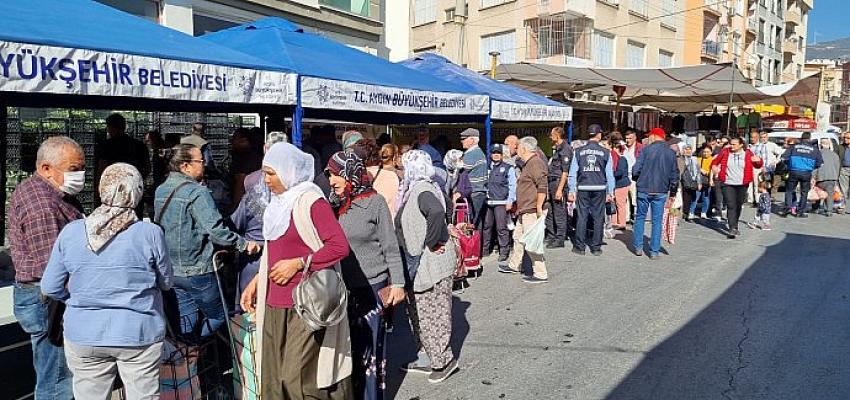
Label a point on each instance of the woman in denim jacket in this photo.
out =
(193, 227)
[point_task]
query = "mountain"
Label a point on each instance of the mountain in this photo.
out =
(839, 48)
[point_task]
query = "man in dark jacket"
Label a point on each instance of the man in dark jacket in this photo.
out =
(843, 151)
(557, 221)
(656, 172)
(591, 184)
(801, 159)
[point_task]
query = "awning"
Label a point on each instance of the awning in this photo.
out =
(789, 123)
(83, 53)
(344, 83)
(509, 103)
(682, 89)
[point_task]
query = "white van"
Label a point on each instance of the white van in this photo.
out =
(779, 137)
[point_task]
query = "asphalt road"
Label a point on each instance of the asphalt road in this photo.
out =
(762, 317)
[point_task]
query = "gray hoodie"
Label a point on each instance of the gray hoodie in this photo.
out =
(830, 168)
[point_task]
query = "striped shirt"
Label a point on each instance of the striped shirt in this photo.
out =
(474, 161)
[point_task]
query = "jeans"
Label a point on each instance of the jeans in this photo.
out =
(645, 202)
(804, 179)
(705, 196)
(95, 368)
(590, 205)
(192, 294)
(734, 196)
(53, 378)
(557, 224)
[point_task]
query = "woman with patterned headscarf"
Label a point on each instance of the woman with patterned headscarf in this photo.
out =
(110, 270)
(372, 272)
(430, 255)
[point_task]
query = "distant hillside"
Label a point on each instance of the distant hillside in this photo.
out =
(839, 48)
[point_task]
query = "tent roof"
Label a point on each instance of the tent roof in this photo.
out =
(86, 24)
(333, 70)
(692, 88)
(80, 53)
(440, 67)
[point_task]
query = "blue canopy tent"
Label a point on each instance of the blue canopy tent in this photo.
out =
(80, 53)
(342, 83)
(507, 102)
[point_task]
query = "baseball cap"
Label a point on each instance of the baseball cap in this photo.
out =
(470, 132)
(594, 129)
(497, 148)
(658, 132)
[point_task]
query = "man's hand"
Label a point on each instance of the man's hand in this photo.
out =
(559, 195)
(253, 248)
(571, 197)
(756, 159)
(284, 270)
(509, 207)
(609, 198)
(715, 169)
(670, 201)
(248, 300)
(396, 296)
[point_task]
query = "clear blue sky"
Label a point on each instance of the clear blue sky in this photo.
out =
(828, 20)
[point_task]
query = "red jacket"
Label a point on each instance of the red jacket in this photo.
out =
(722, 160)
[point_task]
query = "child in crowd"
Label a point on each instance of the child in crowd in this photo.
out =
(762, 218)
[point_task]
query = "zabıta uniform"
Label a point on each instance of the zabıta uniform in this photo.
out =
(591, 178)
(557, 221)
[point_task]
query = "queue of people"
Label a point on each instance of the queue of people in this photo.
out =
(377, 219)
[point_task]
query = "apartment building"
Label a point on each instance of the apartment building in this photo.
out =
(357, 23)
(601, 33)
(765, 38)
(834, 92)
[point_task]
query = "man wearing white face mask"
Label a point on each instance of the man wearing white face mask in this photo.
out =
(38, 210)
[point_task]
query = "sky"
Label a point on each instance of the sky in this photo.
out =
(828, 20)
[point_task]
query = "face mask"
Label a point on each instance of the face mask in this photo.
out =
(74, 182)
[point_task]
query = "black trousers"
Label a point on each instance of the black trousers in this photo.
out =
(497, 221)
(688, 196)
(590, 205)
(734, 196)
(804, 180)
(557, 221)
(718, 199)
(479, 208)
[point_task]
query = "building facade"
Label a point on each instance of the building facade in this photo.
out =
(357, 23)
(834, 94)
(601, 33)
(765, 38)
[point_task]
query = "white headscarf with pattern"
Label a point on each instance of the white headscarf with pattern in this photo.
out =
(121, 188)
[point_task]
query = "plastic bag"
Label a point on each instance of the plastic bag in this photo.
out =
(534, 237)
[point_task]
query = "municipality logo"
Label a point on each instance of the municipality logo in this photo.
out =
(324, 93)
(246, 85)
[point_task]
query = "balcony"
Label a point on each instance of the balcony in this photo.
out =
(710, 49)
(752, 25)
(792, 17)
(789, 48)
(713, 7)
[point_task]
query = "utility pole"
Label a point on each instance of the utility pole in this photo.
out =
(494, 61)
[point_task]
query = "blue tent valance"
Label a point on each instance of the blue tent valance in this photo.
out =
(80, 49)
(509, 103)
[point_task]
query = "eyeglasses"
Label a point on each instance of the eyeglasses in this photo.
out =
(199, 161)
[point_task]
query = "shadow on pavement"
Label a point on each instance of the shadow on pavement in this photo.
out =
(779, 332)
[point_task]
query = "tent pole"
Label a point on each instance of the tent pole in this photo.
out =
(488, 130)
(569, 131)
(731, 98)
(4, 125)
(297, 115)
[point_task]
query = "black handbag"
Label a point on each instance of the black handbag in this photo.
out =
(610, 208)
(55, 318)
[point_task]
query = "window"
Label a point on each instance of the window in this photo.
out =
(202, 24)
(762, 27)
(635, 54)
(504, 43)
(430, 49)
(760, 69)
(668, 13)
(777, 41)
(491, 3)
(665, 58)
(640, 7)
(546, 43)
(739, 7)
(359, 7)
(450, 15)
(424, 11)
(147, 9)
(603, 54)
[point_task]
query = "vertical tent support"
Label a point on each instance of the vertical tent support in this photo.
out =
(297, 116)
(4, 126)
(569, 131)
(488, 131)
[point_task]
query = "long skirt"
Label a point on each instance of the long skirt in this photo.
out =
(291, 360)
(368, 342)
(431, 318)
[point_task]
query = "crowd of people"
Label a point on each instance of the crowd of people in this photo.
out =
(378, 214)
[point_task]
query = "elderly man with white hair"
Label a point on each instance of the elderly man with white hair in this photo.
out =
(475, 162)
(531, 190)
(40, 207)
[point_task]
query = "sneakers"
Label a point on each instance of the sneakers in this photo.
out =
(693, 216)
(803, 215)
(654, 257)
(703, 216)
(733, 233)
(578, 251)
(596, 252)
(505, 269)
(639, 253)
(533, 279)
(439, 375)
(416, 367)
(766, 227)
(555, 244)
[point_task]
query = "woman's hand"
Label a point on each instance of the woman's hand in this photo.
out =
(439, 249)
(396, 296)
(249, 296)
(284, 270)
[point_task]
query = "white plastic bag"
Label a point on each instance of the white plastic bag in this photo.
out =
(534, 237)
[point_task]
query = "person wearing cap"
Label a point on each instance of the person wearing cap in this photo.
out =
(656, 173)
(501, 195)
(557, 224)
(475, 163)
(591, 185)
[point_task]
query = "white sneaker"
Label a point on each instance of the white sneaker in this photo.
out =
(691, 216)
(703, 216)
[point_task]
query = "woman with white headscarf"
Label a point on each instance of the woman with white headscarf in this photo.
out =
(430, 255)
(110, 270)
(289, 350)
(826, 176)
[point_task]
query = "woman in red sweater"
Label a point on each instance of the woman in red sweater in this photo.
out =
(290, 351)
(734, 167)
